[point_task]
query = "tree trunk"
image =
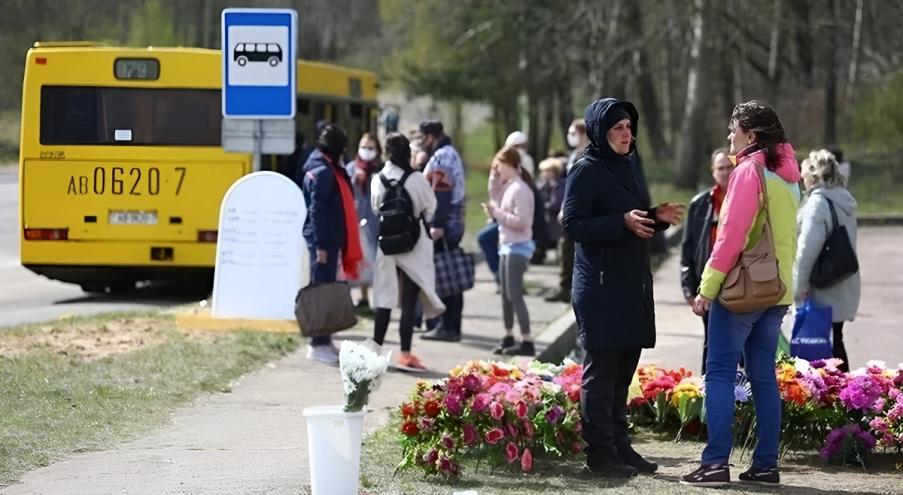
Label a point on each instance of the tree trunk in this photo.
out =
(693, 136)
(773, 48)
(647, 95)
(802, 13)
(854, 66)
(830, 130)
(565, 103)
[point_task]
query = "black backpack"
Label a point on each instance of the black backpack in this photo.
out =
(399, 228)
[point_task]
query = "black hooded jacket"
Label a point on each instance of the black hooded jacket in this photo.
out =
(612, 285)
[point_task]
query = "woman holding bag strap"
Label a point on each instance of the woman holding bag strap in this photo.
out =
(757, 140)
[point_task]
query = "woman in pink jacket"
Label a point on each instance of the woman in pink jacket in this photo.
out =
(511, 205)
(758, 143)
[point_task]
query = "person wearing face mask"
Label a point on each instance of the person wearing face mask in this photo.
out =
(577, 140)
(366, 162)
(608, 215)
(699, 235)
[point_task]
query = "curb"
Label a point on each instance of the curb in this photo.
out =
(879, 220)
(560, 336)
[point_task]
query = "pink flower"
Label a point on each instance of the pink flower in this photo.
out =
(431, 457)
(521, 410)
(470, 434)
(528, 428)
(526, 461)
(453, 404)
(448, 442)
(511, 452)
(496, 411)
(426, 424)
(472, 383)
(512, 430)
(448, 466)
(494, 435)
(499, 388)
(481, 402)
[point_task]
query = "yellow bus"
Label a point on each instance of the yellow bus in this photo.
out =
(121, 168)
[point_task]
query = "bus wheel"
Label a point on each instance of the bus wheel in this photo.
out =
(242, 61)
(274, 61)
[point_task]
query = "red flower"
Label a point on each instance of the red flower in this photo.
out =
(494, 435)
(496, 411)
(408, 410)
(512, 430)
(521, 410)
(409, 428)
(511, 452)
(432, 408)
(526, 461)
(528, 428)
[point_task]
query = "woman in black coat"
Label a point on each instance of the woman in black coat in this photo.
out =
(607, 214)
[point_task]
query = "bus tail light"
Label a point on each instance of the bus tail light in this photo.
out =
(40, 60)
(46, 234)
(207, 235)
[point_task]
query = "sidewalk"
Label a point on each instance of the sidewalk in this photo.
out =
(253, 440)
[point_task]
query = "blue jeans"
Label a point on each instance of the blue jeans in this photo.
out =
(756, 335)
(320, 273)
(488, 238)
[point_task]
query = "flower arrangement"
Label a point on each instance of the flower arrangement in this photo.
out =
(362, 366)
(509, 415)
(821, 405)
(492, 411)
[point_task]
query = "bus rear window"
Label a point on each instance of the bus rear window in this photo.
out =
(130, 116)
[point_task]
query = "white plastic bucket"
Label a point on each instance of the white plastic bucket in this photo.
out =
(334, 449)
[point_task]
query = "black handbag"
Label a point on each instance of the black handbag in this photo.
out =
(837, 259)
(324, 309)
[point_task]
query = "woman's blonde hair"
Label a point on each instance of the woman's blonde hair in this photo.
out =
(821, 167)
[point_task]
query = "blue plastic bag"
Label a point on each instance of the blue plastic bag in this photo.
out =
(811, 338)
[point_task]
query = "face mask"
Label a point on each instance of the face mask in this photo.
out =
(366, 154)
(573, 140)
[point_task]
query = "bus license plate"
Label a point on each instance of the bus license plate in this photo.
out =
(132, 217)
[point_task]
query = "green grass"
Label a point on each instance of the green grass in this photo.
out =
(52, 405)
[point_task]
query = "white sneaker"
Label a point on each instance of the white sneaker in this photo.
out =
(332, 348)
(323, 354)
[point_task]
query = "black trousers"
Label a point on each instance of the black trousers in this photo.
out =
(567, 264)
(409, 293)
(603, 402)
(838, 349)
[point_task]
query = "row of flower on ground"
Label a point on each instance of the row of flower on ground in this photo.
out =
(503, 414)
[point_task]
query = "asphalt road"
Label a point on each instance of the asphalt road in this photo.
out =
(26, 297)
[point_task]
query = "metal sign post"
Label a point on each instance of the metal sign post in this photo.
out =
(259, 81)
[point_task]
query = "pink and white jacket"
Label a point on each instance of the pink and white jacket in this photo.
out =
(741, 219)
(514, 209)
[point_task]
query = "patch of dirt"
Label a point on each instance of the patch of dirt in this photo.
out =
(88, 339)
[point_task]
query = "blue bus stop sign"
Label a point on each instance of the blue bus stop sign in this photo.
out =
(259, 63)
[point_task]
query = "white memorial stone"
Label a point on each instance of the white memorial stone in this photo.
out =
(260, 250)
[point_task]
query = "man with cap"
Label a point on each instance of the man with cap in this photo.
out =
(445, 172)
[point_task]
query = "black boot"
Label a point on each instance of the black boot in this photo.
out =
(507, 341)
(610, 467)
(634, 459)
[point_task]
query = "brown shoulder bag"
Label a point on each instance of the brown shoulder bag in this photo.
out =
(754, 283)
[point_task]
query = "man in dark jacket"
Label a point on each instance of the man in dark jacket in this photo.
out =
(607, 214)
(699, 235)
(324, 227)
